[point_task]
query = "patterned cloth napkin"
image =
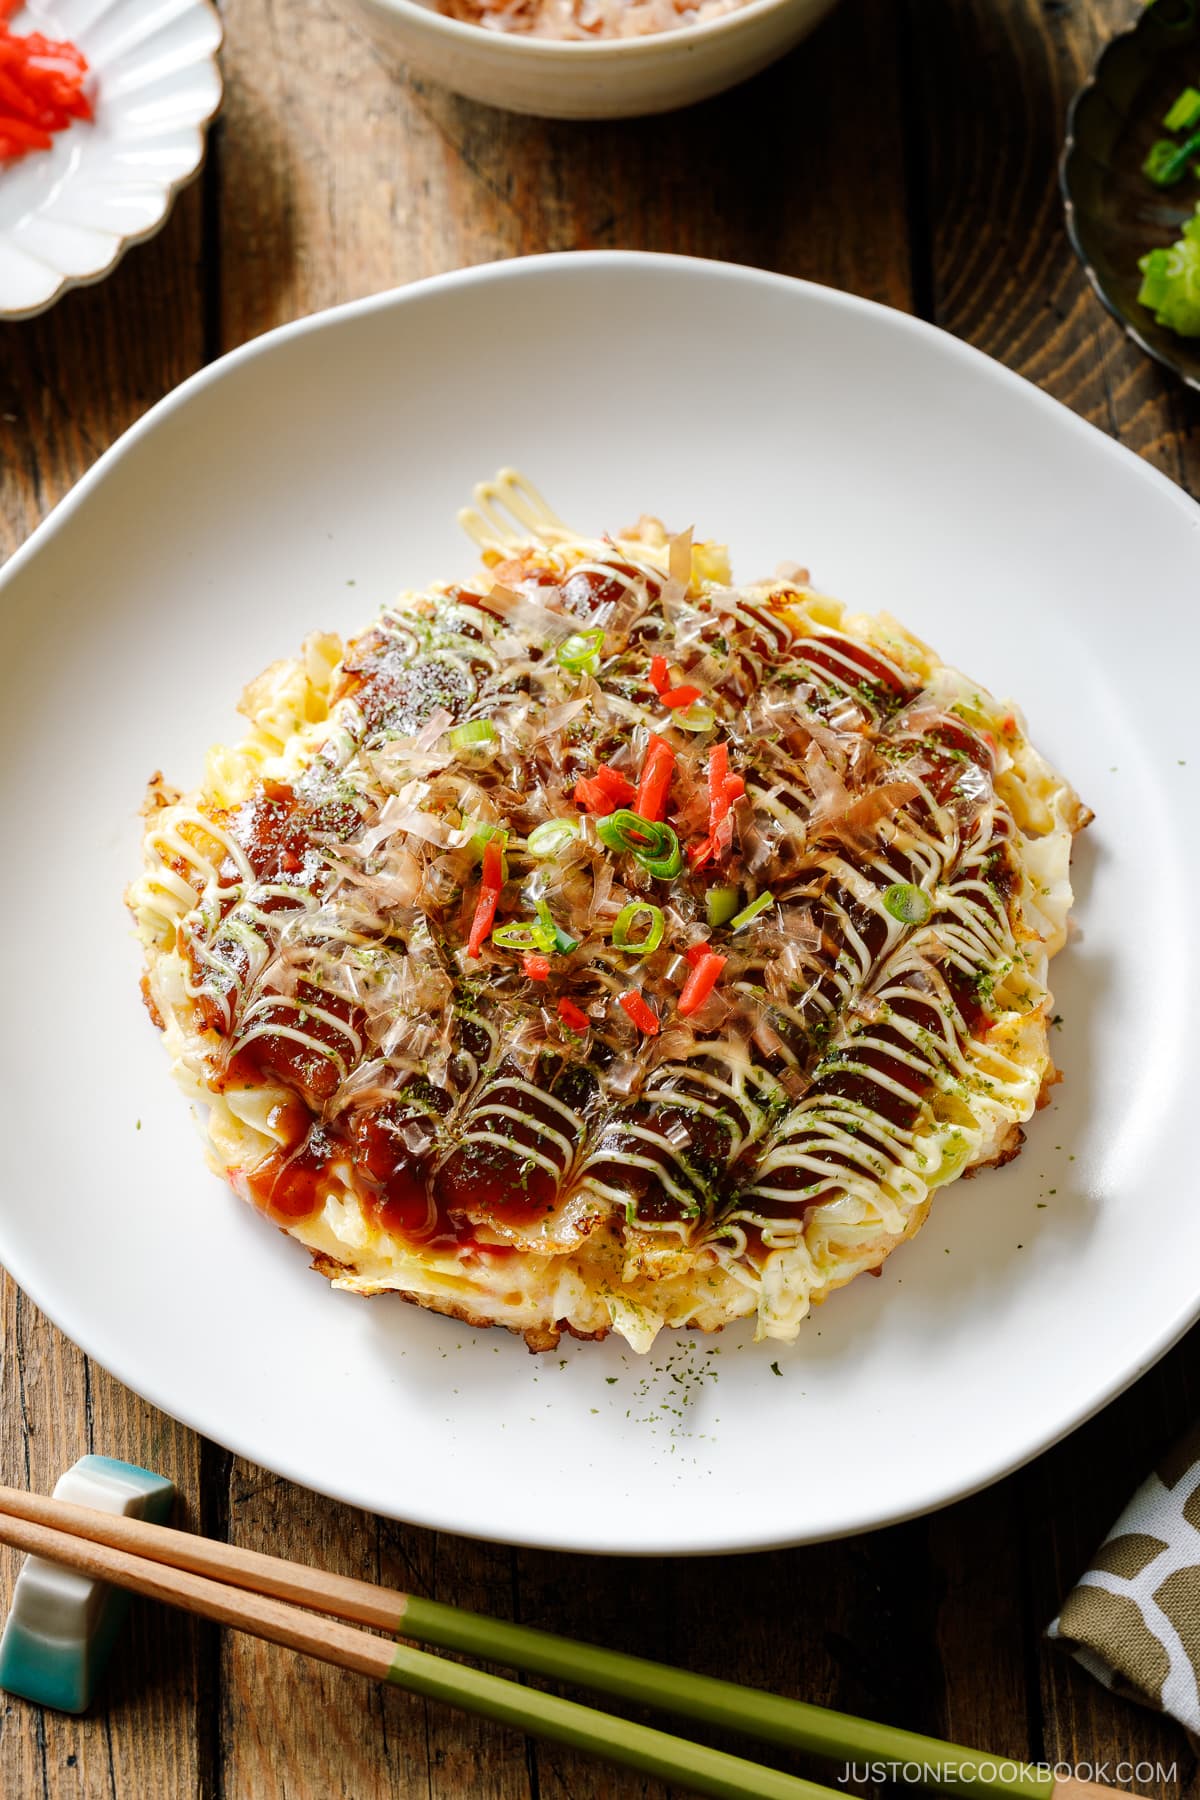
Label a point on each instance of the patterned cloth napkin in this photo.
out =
(1134, 1619)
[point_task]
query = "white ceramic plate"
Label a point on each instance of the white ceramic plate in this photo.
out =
(298, 483)
(68, 214)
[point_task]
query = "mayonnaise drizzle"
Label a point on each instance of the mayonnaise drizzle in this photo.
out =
(732, 1136)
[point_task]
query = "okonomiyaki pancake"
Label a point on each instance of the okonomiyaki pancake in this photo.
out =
(599, 945)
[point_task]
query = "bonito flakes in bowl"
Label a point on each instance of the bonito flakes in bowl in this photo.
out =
(586, 21)
(589, 59)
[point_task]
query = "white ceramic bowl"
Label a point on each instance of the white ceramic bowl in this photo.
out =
(302, 480)
(69, 213)
(613, 79)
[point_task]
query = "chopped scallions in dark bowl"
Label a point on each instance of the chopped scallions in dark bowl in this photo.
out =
(1117, 214)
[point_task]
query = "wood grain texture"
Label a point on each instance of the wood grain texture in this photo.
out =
(282, 1715)
(994, 84)
(76, 377)
(907, 153)
(363, 179)
(144, 1736)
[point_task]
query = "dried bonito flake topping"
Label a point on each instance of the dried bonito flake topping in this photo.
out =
(599, 944)
(584, 20)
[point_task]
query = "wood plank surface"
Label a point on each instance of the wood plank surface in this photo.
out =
(907, 153)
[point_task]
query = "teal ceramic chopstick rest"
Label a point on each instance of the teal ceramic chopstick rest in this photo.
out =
(62, 1625)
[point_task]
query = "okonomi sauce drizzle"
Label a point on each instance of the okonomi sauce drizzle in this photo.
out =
(324, 924)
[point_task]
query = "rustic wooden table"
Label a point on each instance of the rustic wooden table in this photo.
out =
(907, 153)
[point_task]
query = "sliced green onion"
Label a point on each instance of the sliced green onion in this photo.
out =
(742, 919)
(1167, 162)
(654, 845)
(612, 830)
(1171, 281)
(699, 716)
(623, 925)
(720, 904)
(1155, 291)
(1185, 113)
(1162, 153)
(523, 936)
(549, 839)
(580, 653)
(559, 939)
(482, 834)
(664, 867)
(471, 735)
(911, 905)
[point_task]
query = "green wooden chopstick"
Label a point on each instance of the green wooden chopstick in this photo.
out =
(704, 1771)
(603, 1735)
(794, 1724)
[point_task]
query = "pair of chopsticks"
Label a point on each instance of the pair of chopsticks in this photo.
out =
(321, 1615)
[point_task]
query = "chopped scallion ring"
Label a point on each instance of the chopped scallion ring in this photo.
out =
(699, 716)
(523, 936)
(720, 904)
(625, 830)
(623, 924)
(471, 735)
(742, 919)
(652, 843)
(664, 867)
(1185, 114)
(580, 653)
(1171, 288)
(559, 939)
(552, 837)
(911, 905)
(482, 834)
(1168, 161)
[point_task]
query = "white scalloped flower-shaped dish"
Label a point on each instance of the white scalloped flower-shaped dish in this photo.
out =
(69, 213)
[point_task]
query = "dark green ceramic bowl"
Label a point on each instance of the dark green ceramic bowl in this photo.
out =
(1114, 214)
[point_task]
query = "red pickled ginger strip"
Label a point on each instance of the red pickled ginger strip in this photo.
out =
(41, 88)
